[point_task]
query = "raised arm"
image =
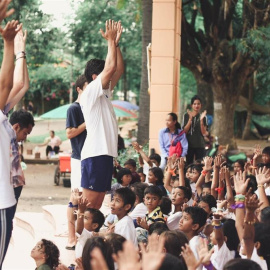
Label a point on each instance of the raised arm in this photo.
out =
(20, 78)
(262, 177)
(181, 167)
(7, 68)
(139, 150)
(217, 163)
(111, 59)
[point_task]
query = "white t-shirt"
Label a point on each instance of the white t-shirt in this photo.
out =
(193, 243)
(126, 228)
(7, 197)
(140, 210)
(81, 242)
(267, 192)
(221, 256)
(100, 120)
(146, 168)
(173, 221)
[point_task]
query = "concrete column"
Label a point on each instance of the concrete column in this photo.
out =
(165, 65)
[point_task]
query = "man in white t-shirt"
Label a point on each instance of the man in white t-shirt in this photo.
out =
(100, 146)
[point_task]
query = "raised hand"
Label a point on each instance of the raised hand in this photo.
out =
(136, 147)
(10, 31)
(190, 114)
(189, 257)
(20, 41)
(252, 203)
(217, 161)
(262, 175)
(181, 163)
(128, 259)
(119, 32)
(203, 252)
(153, 256)
(83, 204)
(208, 163)
(203, 114)
(79, 265)
(98, 262)
(111, 30)
(257, 151)
(240, 184)
(3, 9)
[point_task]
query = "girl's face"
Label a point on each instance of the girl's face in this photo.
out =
(205, 207)
(142, 177)
(170, 123)
(126, 179)
(188, 172)
(194, 176)
(38, 251)
(178, 196)
(237, 167)
(151, 178)
(206, 191)
(265, 158)
(196, 106)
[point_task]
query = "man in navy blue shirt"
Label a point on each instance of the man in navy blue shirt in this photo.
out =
(76, 132)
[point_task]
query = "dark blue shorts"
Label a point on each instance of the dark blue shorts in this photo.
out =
(97, 173)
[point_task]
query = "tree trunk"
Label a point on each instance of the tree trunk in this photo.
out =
(144, 100)
(205, 93)
(246, 132)
(224, 106)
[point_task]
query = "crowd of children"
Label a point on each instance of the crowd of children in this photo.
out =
(210, 217)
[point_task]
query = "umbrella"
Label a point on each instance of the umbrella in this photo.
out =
(125, 105)
(61, 113)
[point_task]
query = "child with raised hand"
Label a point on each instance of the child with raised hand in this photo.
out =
(155, 177)
(263, 180)
(180, 196)
(89, 220)
(121, 204)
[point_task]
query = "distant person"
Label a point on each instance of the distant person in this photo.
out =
(53, 143)
(30, 107)
(195, 126)
(76, 132)
(100, 146)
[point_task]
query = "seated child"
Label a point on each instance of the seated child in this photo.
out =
(180, 195)
(89, 220)
(131, 165)
(124, 177)
(155, 177)
(141, 174)
(140, 209)
(191, 223)
(121, 204)
(166, 206)
(152, 200)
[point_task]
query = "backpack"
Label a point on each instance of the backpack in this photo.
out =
(177, 148)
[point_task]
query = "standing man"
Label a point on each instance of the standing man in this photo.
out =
(100, 145)
(76, 132)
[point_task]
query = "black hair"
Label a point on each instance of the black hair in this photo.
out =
(131, 162)
(23, 118)
(166, 205)
(97, 217)
(105, 248)
(210, 200)
(175, 118)
(81, 80)
(252, 183)
(229, 230)
(207, 185)
(174, 241)
(198, 215)
(173, 263)
(139, 188)
(196, 97)
(121, 173)
(116, 241)
(153, 190)
(94, 66)
(187, 184)
(156, 157)
(52, 253)
(187, 192)
(262, 235)
(158, 228)
(261, 165)
(266, 150)
(158, 173)
(265, 215)
(197, 167)
(241, 264)
(241, 163)
(127, 195)
(140, 170)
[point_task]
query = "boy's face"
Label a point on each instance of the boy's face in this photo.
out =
(126, 179)
(265, 158)
(178, 196)
(194, 176)
(237, 167)
(130, 167)
(151, 201)
(186, 223)
(117, 206)
(88, 222)
(151, 178)
(38, 251)
(21, 133)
